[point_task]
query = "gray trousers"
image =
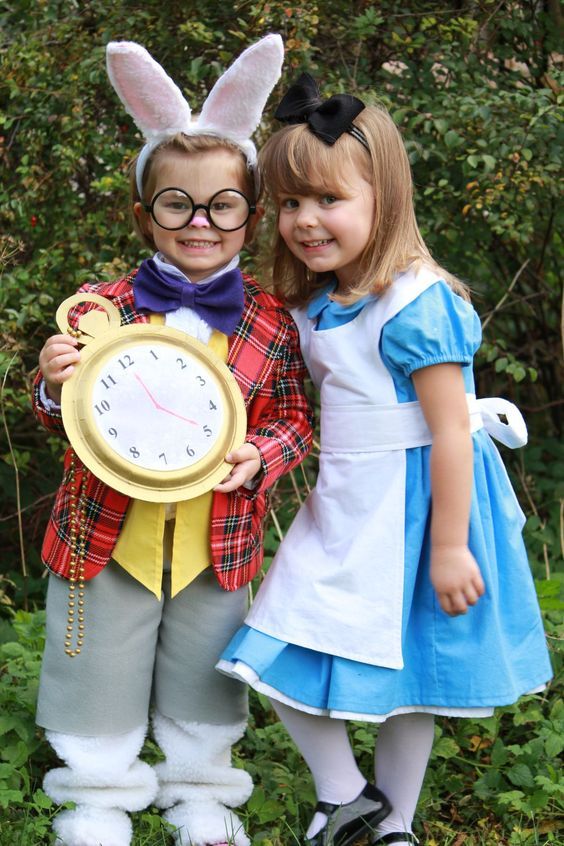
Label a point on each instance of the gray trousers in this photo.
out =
(140, 652)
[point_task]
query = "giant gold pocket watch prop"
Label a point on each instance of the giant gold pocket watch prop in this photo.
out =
(151, 411)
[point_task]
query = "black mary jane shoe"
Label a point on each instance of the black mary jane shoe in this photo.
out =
(395, 837)
(346, 824)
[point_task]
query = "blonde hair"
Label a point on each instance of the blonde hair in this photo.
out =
(188, 145)
(295, 161)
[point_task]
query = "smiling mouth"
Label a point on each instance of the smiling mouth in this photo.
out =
(321, 243)
(200, 245)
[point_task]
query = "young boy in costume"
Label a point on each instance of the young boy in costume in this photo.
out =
(151, 639)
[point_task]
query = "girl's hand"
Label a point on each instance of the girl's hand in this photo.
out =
(246, 465)
(456, 578)
(56, 361)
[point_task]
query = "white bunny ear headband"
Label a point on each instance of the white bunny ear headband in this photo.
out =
(232, 109)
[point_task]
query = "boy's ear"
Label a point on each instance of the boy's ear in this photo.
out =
(252, 224)
(144, 220)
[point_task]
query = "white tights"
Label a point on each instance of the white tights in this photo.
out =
(402, 752)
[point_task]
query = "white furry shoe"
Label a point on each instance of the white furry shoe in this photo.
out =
(198, 784)
(206, 824)
(105, 778)
(87, 826)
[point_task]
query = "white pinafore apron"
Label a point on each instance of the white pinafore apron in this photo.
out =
(336, 583)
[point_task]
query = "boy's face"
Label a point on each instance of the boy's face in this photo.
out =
(199, 248)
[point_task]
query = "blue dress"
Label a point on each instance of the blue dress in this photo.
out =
(461, 665)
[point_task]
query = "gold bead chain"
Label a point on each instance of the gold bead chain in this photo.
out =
(76, 570)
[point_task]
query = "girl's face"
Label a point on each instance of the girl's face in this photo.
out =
(198, 249)
(329, 231)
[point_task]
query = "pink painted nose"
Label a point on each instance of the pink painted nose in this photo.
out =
(200, 220)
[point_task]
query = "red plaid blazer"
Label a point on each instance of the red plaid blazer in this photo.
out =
(265, 359)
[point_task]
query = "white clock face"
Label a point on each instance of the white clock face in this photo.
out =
(157, 407)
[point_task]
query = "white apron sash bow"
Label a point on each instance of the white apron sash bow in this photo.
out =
(379, 428)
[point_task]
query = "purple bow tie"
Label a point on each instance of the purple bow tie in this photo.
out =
(219, 302)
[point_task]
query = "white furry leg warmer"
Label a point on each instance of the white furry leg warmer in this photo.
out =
(197, 781)
(105, 778)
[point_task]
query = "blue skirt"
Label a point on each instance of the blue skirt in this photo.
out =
(459, 666)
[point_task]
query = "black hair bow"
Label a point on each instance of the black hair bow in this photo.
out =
(327, 119)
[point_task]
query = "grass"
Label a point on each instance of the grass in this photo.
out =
(490, 782)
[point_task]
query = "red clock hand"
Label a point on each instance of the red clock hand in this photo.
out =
(160, 407)
(180, 417)
(146, 389)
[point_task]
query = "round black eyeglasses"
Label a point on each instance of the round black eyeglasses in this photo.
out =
(227, 210)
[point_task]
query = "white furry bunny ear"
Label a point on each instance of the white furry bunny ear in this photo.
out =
(149, 95)
(232, 110)
(235, 104)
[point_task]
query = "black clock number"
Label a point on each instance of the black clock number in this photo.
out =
(163, 456)
(190, 452)
(155, 356)
(134, 452)
(102, 407)
(182, 363)
(207, 431)
(213, 406)
(201, 380)
(110, 381)
(112, 432)
(126, 361)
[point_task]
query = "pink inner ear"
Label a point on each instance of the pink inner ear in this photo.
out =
(148, 93)
(236, 101)
(235, 104)
(225, 114)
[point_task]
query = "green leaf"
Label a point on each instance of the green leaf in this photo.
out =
(7, 723)
(519, 373)
(10, 797)
(551, 605)
(499, 754)
(520, 775)
(41, 800)
(531, 714)
(6, 771)
(446, 747)
(399, 116)
(554, 744)
(545, 588)
(453, 139)
(513, 798)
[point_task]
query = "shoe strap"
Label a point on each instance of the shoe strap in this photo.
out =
(395, 836)
(326, 808)
(370, 791)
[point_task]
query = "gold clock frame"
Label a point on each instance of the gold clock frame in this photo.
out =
(104, 337)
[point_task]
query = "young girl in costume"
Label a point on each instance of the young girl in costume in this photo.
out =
(168, 591)
(402, 589)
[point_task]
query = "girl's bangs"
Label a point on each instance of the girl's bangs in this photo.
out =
(300, 163)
